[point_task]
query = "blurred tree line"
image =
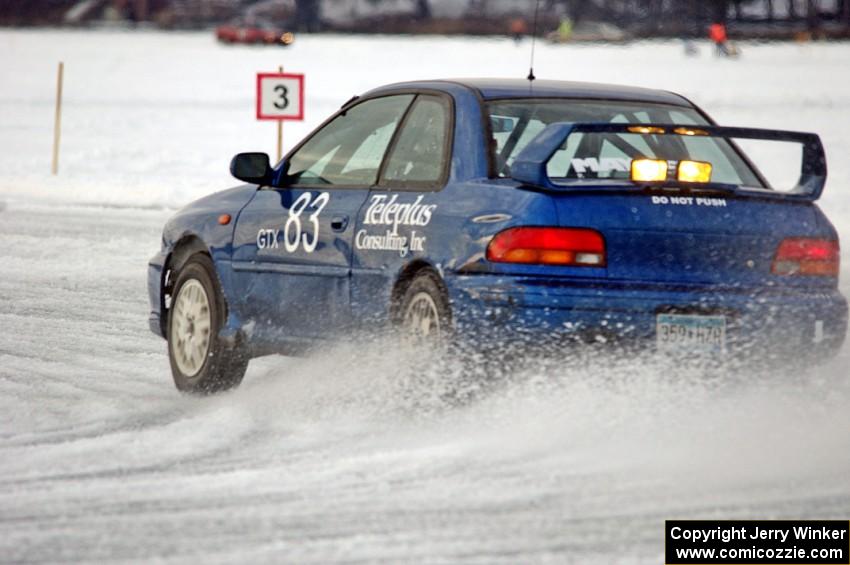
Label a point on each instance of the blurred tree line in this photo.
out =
(659, 11)
(648, 16)
(652, 14)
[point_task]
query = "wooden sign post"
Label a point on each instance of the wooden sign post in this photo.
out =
(57, 124)
(280, 97)
(280, 129)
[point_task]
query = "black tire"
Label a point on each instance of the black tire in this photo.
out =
(221, 368)
(426, 290)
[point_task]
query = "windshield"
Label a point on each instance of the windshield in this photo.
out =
(604, 155)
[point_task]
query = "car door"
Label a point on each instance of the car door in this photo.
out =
(398, 223)
(293, 244)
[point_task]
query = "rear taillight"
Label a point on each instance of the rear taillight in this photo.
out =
(805, 256)
(576, 247)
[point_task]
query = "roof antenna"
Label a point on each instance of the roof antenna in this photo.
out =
(531, 76)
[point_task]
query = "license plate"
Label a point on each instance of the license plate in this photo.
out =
(681, 332)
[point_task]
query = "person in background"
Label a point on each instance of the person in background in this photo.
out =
(518, 28)
(717, 34)
(565, 30)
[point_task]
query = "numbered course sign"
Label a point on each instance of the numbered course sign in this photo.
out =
(280, 96)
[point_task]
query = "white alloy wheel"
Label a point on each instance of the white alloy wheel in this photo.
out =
(191, 323)
(422, 319)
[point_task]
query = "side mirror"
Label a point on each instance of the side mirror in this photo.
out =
(253, 168)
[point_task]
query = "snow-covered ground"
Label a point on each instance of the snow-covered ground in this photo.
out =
(341, 457)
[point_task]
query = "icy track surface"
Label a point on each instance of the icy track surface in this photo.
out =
(344, 457)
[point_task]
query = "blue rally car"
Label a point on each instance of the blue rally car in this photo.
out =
(504, 211)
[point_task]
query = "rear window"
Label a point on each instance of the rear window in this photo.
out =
(604, 155)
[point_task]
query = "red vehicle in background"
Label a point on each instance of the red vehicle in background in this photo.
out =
(250, 33)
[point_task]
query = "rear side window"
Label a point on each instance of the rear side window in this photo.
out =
(349, 150)
(608, 156)
(419, 155)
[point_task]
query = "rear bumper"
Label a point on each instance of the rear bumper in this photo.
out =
(496, 307)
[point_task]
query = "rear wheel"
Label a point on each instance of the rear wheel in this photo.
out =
(424, 313)
(200, 363)
(424, 320)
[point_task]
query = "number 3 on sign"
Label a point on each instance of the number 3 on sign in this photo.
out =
(280, 96)
(283, 103)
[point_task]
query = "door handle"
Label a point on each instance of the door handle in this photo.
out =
(339, 223)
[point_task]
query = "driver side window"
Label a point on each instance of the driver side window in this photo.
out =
(418, 157)
(348, 151)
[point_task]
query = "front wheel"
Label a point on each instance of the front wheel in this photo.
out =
(199, 362)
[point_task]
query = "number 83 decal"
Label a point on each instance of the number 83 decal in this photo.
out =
(293, 233)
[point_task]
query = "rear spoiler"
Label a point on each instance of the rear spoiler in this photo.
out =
(530, 165)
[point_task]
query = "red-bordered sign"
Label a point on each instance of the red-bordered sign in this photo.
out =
(280, 96)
